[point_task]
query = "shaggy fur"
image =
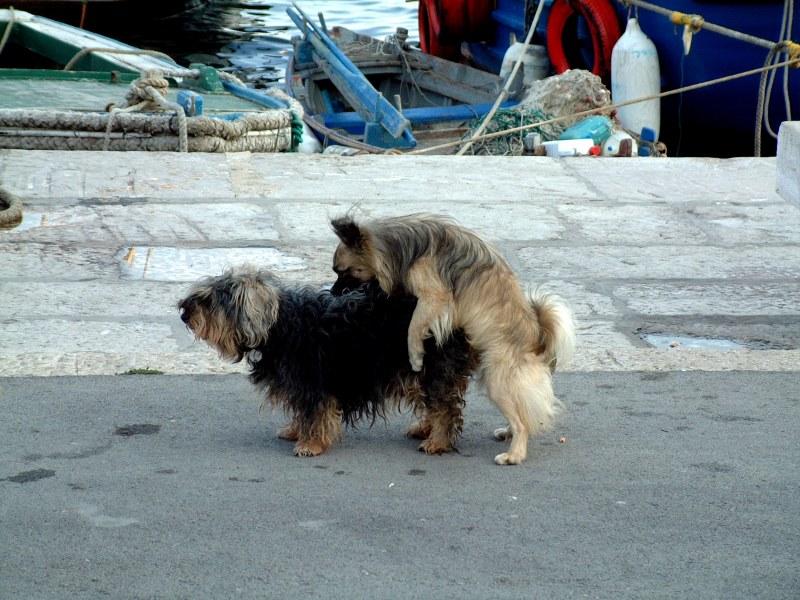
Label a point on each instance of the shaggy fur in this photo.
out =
(462, 282)
(330, 360)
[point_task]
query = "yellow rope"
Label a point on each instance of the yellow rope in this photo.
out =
(130, 51)
(7, 32)
(694, 22)
(602, 109)
(697, 22)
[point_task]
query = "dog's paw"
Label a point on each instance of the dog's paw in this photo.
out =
(308, 449)
(506, 458)
(416, 359)
(419, 430)
(501, 434)
(432, 447)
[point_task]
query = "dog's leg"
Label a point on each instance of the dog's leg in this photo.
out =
(428, 316)
(522, 390)
(433, 313)
(325, 429)
(410, 393)
(290, 431)
(446, 423)
(445, 389)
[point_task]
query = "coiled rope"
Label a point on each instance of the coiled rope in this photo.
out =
(10, 209)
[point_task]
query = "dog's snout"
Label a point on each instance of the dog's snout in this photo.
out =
(344, 284)
(185, 313)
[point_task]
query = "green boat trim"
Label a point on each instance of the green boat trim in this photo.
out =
(259, 121)
(60, 43)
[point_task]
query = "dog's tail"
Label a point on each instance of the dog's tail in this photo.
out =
(556, 326)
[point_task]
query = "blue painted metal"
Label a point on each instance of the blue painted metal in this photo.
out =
(253, 95)
(359, 92)
(353, 123)
(192, 103)
(508, 17)
(725, 111)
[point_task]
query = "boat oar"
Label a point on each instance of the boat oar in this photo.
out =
(377, 111)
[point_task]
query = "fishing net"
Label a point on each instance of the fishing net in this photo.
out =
(511, 144)
(561, 95)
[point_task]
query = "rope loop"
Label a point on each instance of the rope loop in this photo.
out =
(148, 93)
(150, 88)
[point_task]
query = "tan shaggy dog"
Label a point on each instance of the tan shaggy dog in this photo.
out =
(462, 282)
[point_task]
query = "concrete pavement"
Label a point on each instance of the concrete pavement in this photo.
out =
(669, 264)
(667, 485)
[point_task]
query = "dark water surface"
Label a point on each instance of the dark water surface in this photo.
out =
(252, 38)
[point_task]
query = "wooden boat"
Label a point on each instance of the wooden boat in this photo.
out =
(716, 121)
(44, 106)
(384, 94)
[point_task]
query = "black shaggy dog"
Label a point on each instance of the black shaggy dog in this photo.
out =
(329, 359)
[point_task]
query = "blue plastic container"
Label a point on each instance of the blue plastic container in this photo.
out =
(597, 128)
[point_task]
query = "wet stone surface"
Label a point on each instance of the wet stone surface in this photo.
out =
(138, 429)
(28, 476)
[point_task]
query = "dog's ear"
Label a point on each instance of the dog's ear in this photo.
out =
(349, 232)
(256, 304)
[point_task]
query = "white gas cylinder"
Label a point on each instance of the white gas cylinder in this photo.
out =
(535, 63)
(634, 74)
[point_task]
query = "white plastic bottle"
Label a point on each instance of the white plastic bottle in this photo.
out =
(634, 74)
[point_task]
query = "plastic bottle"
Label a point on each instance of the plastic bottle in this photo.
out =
(597, 127)
(620, 143)
(634, 74)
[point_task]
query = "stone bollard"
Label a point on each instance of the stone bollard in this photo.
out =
(788, 174)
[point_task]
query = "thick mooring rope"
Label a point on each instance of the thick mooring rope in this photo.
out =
(10, 209)
(121, 51)
(268, 131)
(148, 94)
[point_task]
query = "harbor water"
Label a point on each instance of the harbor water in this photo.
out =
(252, 38)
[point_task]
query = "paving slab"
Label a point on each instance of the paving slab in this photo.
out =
(661, 262)
(681, 180)
(703, 251)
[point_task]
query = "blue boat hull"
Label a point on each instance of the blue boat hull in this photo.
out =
(717, 121)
